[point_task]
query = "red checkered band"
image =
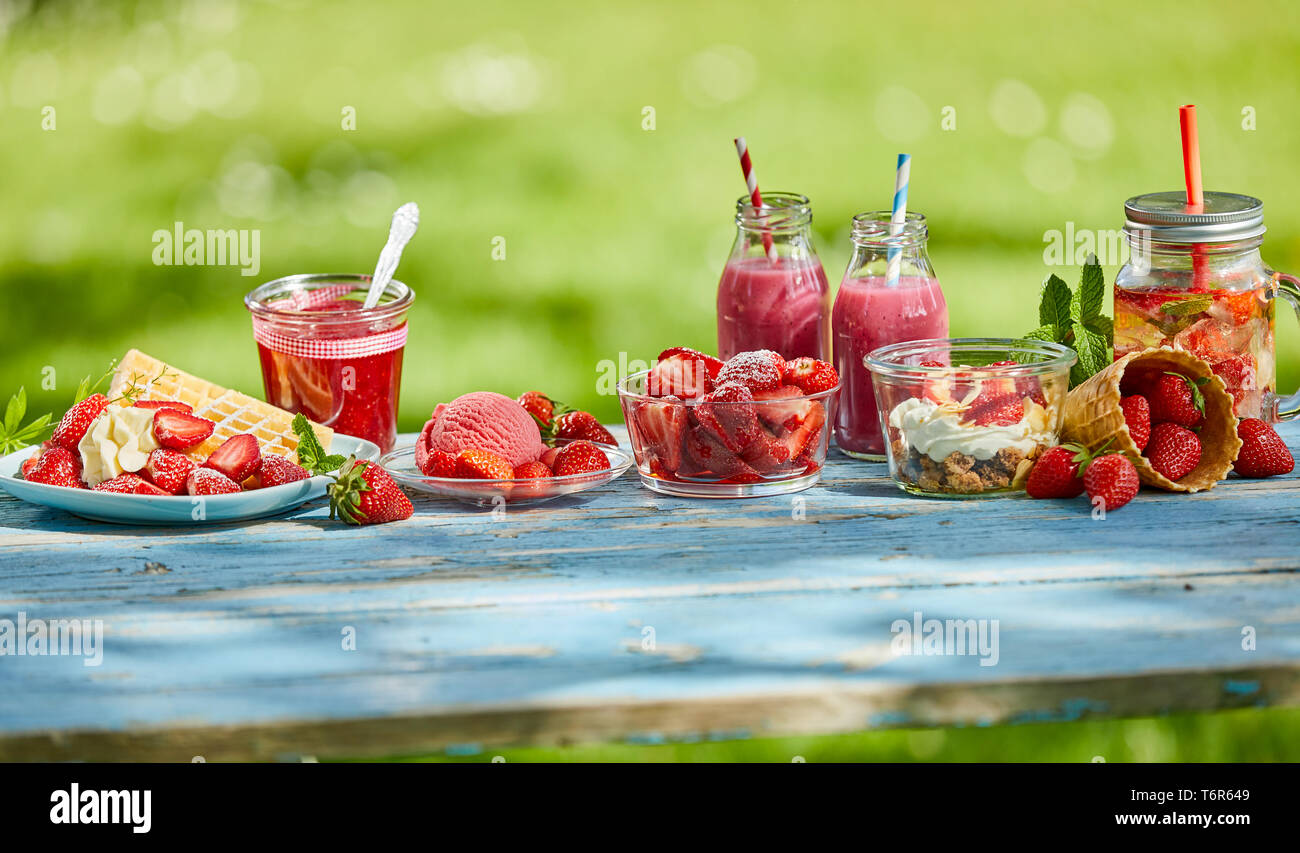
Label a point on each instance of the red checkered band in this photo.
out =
(376, 344)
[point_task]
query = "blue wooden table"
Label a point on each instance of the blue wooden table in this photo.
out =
(624, 615)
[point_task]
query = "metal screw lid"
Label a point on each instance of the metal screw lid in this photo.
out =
(1163, 218)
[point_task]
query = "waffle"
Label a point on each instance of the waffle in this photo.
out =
(233, 413)
(1093, 416)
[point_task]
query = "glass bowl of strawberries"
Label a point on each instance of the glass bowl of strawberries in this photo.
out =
(753, 426)
(966, 417)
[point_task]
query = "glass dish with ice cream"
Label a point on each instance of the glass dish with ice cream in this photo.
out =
(968, 416)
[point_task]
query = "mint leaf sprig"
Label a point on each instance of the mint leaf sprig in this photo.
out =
(14, 434)
(310, 453)
(1074, 318)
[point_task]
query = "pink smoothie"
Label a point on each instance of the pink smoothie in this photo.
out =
(783, 307)
(869, 314)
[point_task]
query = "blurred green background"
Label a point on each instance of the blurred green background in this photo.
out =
(595, 138)
(528, 122)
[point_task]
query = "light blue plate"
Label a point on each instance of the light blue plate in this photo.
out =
(147, 509)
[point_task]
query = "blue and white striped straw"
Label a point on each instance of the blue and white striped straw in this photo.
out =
(899, 218)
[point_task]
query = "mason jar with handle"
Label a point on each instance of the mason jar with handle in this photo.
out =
(1195, 281)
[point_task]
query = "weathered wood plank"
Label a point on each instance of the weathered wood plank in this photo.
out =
(531, 629)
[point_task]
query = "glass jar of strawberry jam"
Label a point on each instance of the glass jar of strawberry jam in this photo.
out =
(325, 355)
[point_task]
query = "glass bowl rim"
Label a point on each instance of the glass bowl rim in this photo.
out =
(627, 458)
(1061, 358)
(255, 302)
(625, 394)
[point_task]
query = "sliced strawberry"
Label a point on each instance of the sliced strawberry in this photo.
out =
(784, 407)
(805, 438)
(711, 363)
(278, 471)
(728, 412)
(72, 429)
(1001, 409)
(209, 481)
(144, 487)
(123, 484)
(164, 404)
(239, 457)
(169, 469)
(704, 457)
(57, 466)
(767, 454)
(683, 376)
(660, 427)
(179, 430)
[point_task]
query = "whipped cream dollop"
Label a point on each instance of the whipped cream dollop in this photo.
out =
(938, 432)
(119, 440)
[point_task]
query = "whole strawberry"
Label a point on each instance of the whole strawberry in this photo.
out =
(1112, 479)
(580, 457)
(364, 493)
(278, 471)
(57, 466)
(72, 429)
(476, 464)
(1263, 452)
(1173, 450)
(811, 375)
(1056, 473)
(1137, 414)
(582, 425)
(169, 469)
(532, 471)
(1178, 400)
(439, 463)
(209, 481)
(539, 406)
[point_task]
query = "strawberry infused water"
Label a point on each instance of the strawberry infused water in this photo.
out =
(871, 312)
(773, 294)
(1195, 282)
(325, 355)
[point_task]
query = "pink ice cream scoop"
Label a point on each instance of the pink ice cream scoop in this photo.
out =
(487, 421)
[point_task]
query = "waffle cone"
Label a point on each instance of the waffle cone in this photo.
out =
(231, 411)
(1093, 417)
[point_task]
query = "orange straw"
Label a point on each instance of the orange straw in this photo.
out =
(1195, 195)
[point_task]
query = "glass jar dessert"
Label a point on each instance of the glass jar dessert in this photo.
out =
(1195, 282)
(773, 293)
(967, 417)
(325, 355)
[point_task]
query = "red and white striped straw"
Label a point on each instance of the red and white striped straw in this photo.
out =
(755, 197)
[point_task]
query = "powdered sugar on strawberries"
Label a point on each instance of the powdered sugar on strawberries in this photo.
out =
(758, 370)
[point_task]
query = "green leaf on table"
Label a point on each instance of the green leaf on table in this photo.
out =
(1088, 300)
(311, 455)
(14, 435)
(1054, 306)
